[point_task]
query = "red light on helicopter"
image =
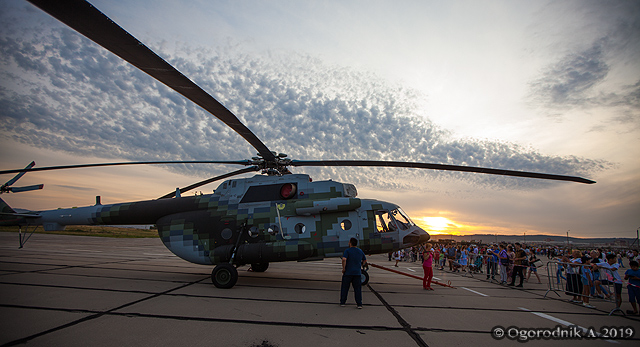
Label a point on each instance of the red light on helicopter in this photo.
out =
(287, 191)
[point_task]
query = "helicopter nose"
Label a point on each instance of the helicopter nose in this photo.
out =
(416, 237)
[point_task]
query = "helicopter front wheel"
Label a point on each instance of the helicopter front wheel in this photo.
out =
(224, 276)
(364, 277)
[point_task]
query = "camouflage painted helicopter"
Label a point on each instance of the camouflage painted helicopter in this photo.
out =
(273, 217)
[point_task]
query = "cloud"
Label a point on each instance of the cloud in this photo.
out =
(75, 187)
(568, 81)
(60, 91)
(599, 68)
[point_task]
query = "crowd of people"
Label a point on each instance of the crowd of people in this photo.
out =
(588, 273)
(507, 261)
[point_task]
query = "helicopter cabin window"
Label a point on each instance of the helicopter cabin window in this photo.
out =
(346, 224)
(273, 230)
(300, 228)
(385, 222)
(254, 232)
(233, 184)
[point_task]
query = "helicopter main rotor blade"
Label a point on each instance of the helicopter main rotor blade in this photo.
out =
(63, 167)
(446, 167)
(213, 179)
(90, 22)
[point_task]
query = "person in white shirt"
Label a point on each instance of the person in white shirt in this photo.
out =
(611, 275)
(574, 284)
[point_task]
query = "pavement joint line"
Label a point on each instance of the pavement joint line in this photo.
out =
(117, 277)
(405, 325)
(257, 299)
(561, 321)
(255, 322)
(79, 288)
(262, 299)
(96, 266)
(24, 340)
(210, 319)
(60, 267)
(238, 321)
(473, 291)
(83, 250)
(142, 292)
(494, 309)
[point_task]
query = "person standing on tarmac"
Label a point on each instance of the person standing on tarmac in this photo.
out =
(427, 266)
(353, 259)
(518, 266)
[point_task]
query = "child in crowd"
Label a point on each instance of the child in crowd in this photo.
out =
(464, 259)
(587, 281)
(533, 267)
(620, 260)
(611, 275)
(633, 276)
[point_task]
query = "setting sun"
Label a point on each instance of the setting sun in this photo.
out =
(439, 225)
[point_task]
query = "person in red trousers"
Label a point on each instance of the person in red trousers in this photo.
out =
(427, 266)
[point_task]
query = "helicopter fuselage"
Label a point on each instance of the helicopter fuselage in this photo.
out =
(257, 220)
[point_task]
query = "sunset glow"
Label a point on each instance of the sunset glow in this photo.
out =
(452, 225)
(440, 225)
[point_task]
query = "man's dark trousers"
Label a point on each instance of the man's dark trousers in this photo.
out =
(517, 270)
(356, 282)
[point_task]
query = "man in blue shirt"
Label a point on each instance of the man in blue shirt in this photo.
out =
(353, 259)
(633, 275)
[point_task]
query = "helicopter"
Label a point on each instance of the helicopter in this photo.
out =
(274, 216)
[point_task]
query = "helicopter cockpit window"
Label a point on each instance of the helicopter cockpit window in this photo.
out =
(403, 221)
(385, 222)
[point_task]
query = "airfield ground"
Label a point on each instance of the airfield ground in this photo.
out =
(65, 290)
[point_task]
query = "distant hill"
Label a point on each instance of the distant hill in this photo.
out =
(541, 239)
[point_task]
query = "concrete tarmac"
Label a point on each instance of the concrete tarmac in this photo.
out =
(77, 291)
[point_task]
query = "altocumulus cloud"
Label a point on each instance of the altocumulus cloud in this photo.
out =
(62, 92)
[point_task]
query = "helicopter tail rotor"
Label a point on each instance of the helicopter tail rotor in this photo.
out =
(6, 188)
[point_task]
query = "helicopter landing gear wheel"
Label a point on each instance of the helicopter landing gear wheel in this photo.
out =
(259, 267)
(364, 277)
(224, 276)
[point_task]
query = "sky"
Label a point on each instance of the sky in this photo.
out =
(549, 87)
